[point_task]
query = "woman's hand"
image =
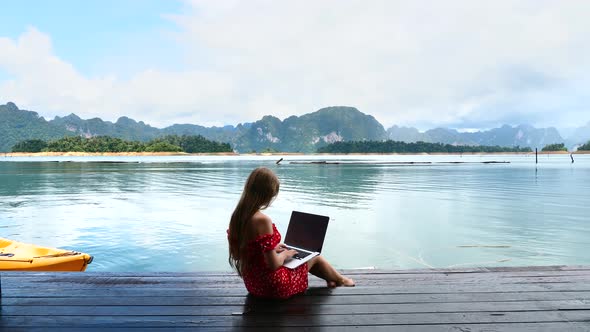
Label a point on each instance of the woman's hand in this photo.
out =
(280, 248)
(287, 253)
(276, 257)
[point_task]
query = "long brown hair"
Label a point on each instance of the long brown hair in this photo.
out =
(260, 189)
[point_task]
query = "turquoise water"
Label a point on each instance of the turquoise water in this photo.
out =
(171, 213)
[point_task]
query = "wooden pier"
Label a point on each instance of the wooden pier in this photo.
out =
(555, 298)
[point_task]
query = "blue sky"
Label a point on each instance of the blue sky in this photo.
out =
(94, 34)
(461, 64)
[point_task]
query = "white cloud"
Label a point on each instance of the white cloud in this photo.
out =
(425, 63)
(44, 83)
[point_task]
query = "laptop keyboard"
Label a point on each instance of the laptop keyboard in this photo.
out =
(301, 255)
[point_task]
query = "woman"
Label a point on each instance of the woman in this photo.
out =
(255, 251)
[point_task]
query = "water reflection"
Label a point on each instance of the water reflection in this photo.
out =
(163, 215)
(342, 186)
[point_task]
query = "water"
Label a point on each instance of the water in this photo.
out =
(171, 213)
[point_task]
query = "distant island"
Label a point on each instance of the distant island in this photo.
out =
(295, 134)
(173, 144)
(417, 147)
(106, 144)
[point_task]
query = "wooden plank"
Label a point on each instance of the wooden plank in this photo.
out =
(212, 289)
(90, 282)
(581, 316)
(10, 283)
(147, 299)
(369, 273)
(466, 299)
(49, 290)
(498, 327)
(224, 283)
(509, 269)
(82, 282)
(292, 309)
(83, 278)
(574, 267)
(410, 319)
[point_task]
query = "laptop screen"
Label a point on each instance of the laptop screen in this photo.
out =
(307, 231)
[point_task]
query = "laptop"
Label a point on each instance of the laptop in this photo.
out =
(305, 234)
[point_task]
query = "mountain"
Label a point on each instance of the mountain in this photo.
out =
(18, 125)
(297, 134)
(405, 134)
(124, 128)
(220, 134)
(310, 131)
(579, 136)
(304, 133)
(522, 135)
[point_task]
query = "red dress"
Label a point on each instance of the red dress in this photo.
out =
(261, 281)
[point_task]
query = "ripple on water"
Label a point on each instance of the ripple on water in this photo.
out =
(172, 216)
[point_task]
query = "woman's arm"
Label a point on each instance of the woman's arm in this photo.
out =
(276, 257)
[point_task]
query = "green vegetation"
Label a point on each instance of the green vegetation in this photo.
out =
(585, 147)
(305, 133)
(193, 144)
(163, 147)
(418, 147)
(171, 143)
(308, 132)
(19, 125)
(32, 145)
(555, 147)
(93, 144)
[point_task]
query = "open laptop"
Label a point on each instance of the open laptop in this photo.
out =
(305, 234)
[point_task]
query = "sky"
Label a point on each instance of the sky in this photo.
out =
(460, 64)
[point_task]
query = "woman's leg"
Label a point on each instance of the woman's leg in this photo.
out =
(319, 267)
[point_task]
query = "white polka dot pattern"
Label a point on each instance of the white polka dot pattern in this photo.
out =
(261, 281)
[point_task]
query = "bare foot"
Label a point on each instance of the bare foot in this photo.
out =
(347, 282)
(331, 284)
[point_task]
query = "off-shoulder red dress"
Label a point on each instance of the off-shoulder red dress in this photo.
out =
(261, 281)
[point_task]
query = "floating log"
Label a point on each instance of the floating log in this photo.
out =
(323, 162)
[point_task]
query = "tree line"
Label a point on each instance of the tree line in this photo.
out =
(585, 147)
(199, 144)
(390, 146)
(561, 147)
(170, 143)
(554, 147)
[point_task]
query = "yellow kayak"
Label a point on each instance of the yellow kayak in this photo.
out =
(17, 256)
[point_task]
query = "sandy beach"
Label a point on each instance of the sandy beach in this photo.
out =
(110, 154)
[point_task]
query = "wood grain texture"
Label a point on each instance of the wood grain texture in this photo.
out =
(543, 298)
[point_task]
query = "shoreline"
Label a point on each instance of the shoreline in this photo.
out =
(168, 154)
(110, 154)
